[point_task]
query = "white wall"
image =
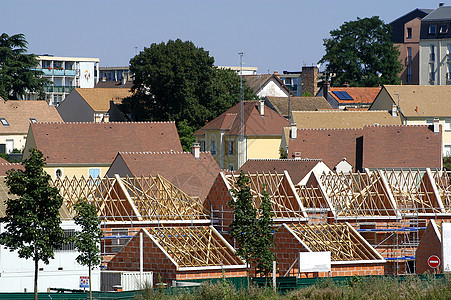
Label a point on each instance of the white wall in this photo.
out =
(87, 74)
(440, 64)
(17, 273)
(272, 89)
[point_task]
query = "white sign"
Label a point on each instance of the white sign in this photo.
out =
(446, 246)
(314, 261)
(84, 281)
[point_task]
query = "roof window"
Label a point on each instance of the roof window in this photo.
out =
(432, 29)
(33, 120)
(4, 122)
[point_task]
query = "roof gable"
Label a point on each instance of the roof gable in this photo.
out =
(280, 104)
(258, 82)
(99, 98)
(99, 143)
(19, 115)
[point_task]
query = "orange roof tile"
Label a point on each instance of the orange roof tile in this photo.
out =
(359, 94)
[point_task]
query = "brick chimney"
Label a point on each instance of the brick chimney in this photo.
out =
(326, 88)
(195, 150)
(310, 80)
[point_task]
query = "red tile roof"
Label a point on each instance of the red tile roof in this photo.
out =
(296, 168)
(193, 176)
(359, 94)
(99, 143)
(389, 146)
(6, 166)
(254, 124)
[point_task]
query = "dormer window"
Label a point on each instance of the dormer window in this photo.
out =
(409, 32)
(432, 29)
(33, 120)
(4, 122)
(444, 29)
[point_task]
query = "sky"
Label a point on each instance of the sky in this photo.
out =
(277, 35)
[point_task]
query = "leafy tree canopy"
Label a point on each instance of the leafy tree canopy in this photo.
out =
(16, 68)
(176, 81)
(361, 53)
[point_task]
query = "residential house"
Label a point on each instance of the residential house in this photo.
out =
(193, 173)
(284, 104)
(373, 147)
(241, 70)
(16, 116)
(5, 166)
(421, 104)
(349, 97)
(435, 47)
(300, 82)
(405, 35)
(299, 169)
(93, 105)
(121, 84)
(63, 271)
(262, 133)
(116, 74)
(88, 148)
(65, 74)
(267, 85)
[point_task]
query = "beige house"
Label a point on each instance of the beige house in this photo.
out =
(419, 105)
(15, 118)
(262, 133)
(88, 148)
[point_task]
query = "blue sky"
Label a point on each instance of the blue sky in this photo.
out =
(274, 35)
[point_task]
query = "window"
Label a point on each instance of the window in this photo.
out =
(33, 120)
(4, 122)
(447, 151)
(58, 173)
(409, 74)
(448, 52)
(118, 239)
(94, 173)
(231, 168)
(203, 148)
(432, 72)
(432, 29)
(443, 29)
(409, 55)
(230, 148)
(432, 53)
(447, 125)
(213, 147)
(68, 246)
(448, 74)
(409, 32)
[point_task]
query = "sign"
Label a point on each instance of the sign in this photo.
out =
(84, 282)
(434, 261)
(314, 261)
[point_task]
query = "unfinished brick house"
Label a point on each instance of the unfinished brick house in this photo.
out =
(180, 253)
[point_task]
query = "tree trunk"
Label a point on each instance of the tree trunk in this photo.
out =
(90, 288)
(36, 269)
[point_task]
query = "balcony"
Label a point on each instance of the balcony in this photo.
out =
(56, 72)
(58, 89)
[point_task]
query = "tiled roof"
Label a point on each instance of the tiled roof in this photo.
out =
(99, 98)
(19, 112)
(193, 176)
(254, 124)
(422, 100)
(358, 94)
(342, 119)
(99, 143)
(296, 168)
(280, 104)
(255, 82)
(442, 13)
(3, 161)
(114, 84)
(6, 166)
(394, 146)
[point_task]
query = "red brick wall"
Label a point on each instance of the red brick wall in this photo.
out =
(218, 198)
(210, 274)
(429, 245)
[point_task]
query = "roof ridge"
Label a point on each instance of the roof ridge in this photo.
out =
(104, 123)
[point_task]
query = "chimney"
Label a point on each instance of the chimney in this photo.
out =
(261, 107)
(103, 78)
(276, 73)
(441, 4)
(309, 79)
(123, 80)
(293, 131)
(326, 88)
(436, 125)
(97, 118)
(346, 84)
(106, 117)
(394, 110)
(296, 155)
(195, 150)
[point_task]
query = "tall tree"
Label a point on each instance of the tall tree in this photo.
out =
(265, 241)
(16, 68)
(87, 241)
(361, 53)
(32, 220)
(176, 81)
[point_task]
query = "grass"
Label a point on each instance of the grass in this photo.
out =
(357, 288)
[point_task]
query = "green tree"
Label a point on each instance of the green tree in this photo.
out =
(87, 240)
(32, 220)
(361, 53)
(263, 255)
(176, 81)
(16, 68)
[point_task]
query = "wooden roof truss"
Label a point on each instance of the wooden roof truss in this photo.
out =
(132, 198)
(344, 243)
(195, 246)
(285, 202)
(443, 182)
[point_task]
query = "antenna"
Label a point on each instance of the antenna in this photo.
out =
(241, 117)
(136, 50)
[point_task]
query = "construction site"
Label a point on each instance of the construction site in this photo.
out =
(371, 222)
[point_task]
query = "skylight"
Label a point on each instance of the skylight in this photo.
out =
(342, 95)
(33, 120)
(4, 122)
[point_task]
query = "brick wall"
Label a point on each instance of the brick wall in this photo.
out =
(218, 197)
(310, 80)
(210, 274)
(429, 245)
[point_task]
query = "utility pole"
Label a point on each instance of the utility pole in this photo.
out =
(241, 117)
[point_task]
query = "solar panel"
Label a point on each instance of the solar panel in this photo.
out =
(342, 95)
